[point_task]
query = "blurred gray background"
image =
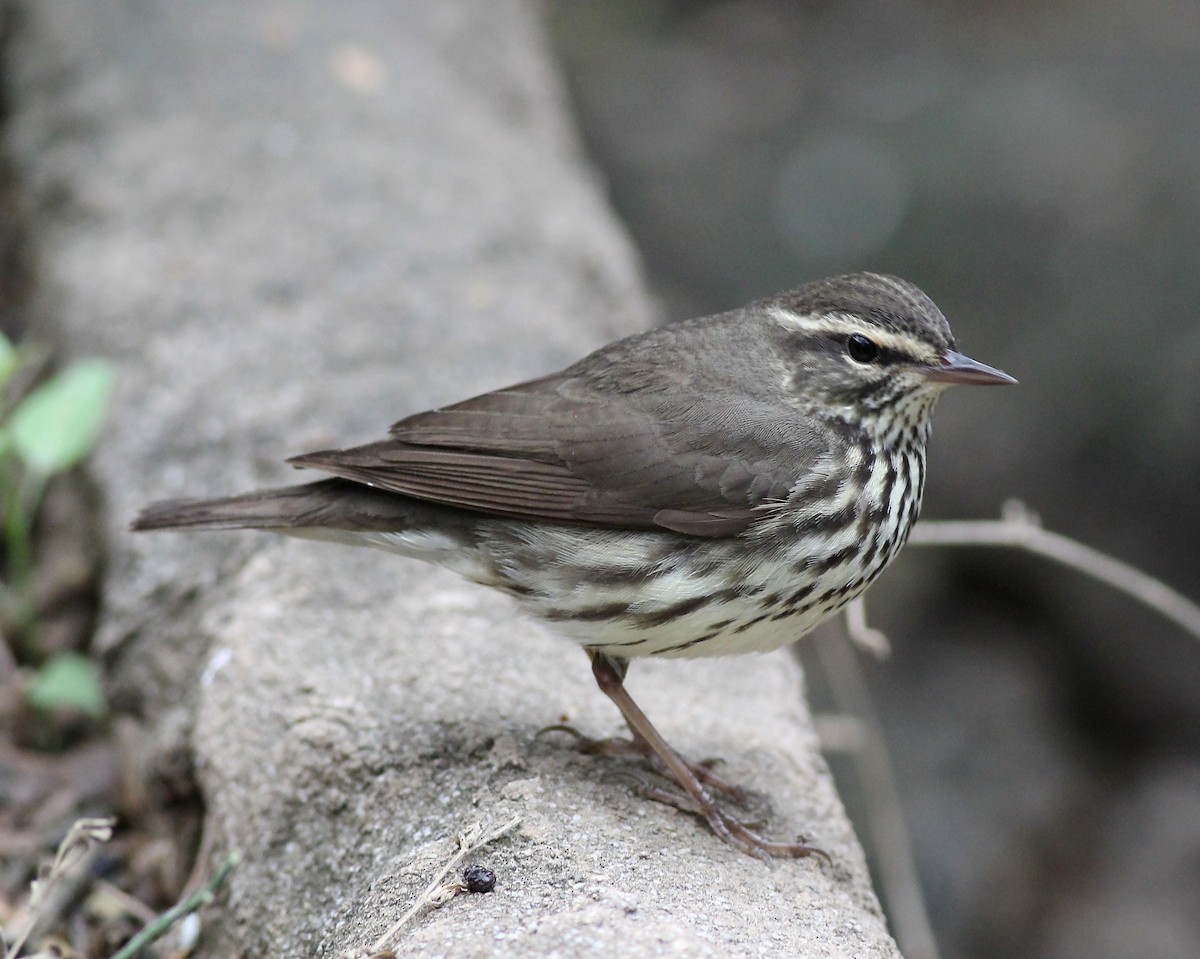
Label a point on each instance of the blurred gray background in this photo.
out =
(1035, 167)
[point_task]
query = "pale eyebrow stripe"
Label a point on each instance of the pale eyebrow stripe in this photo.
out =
(843, 323)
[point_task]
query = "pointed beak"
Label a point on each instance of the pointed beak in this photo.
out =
(956, 368)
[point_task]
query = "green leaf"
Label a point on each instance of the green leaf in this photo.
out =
(56, 425)
(68, 681)
(9, 359)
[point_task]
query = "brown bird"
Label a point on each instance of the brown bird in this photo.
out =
(716, 486)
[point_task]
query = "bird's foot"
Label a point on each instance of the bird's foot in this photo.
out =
(618, 746)
(739, 833)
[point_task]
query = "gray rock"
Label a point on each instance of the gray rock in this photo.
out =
(289, 225)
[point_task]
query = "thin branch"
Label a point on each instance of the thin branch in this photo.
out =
(1020, 528)
(200, 897)
(83, 836)
(435, 894)
(896, 864)
(863, 634)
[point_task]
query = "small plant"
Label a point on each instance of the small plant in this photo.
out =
(44, 431)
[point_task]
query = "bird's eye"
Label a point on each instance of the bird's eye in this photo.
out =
(862, 349)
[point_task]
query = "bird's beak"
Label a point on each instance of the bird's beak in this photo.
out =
(953, 367)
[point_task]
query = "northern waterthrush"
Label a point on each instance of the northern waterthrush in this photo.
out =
(715, 486)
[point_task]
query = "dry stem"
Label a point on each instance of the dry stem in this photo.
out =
(1017, 527)
(1020, 527)
(437, 894)
(83, 836)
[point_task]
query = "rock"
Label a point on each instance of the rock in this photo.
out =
(289, 225)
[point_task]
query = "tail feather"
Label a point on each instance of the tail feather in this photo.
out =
(331, 504)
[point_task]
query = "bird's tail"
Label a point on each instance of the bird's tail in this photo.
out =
(328, 504)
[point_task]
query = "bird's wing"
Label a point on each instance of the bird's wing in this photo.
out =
(562, 448)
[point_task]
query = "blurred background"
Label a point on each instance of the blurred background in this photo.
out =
(1035, 167)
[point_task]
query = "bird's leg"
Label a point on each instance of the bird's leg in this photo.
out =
(610, 676)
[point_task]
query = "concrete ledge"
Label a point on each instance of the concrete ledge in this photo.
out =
(291, 224)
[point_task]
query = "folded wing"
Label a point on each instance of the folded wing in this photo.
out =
(564, 448)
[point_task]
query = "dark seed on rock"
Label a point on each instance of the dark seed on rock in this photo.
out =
(479, 879)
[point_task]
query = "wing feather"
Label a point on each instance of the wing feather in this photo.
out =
(571, 448)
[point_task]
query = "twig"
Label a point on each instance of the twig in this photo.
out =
(199, 898)
(83, 836)
(862, 633)
(131, 905)
(435, 895)
(1019, 527)
(897, 871)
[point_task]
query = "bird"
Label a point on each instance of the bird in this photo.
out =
(710, 487)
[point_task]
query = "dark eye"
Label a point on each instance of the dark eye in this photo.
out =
(862, 349)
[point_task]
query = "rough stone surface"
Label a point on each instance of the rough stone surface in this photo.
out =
(290, 224)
